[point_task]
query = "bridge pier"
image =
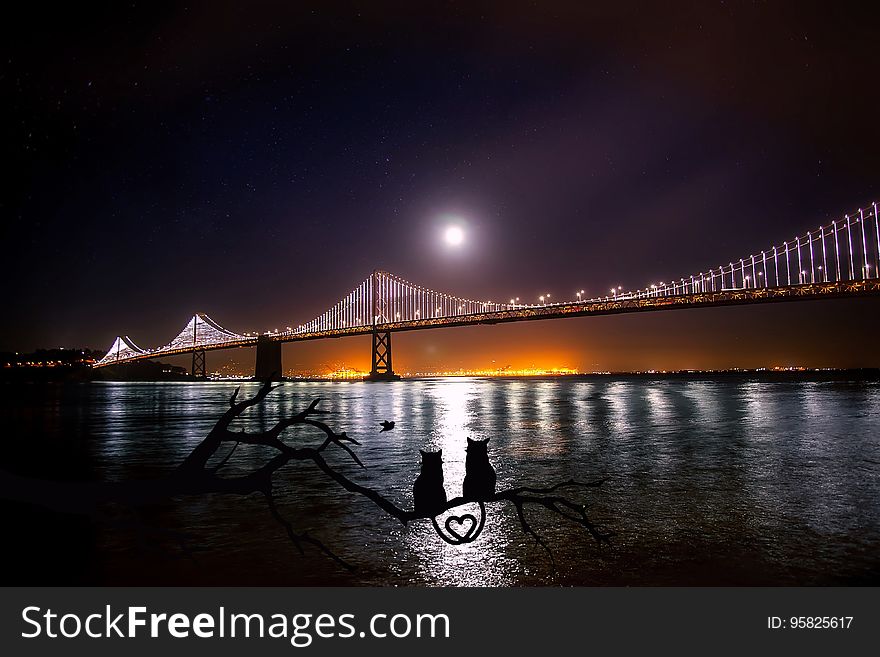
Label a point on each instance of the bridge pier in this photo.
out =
(268, 364)
(382, 369)
(198, 364)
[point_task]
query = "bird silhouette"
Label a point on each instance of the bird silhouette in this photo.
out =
(386, 426)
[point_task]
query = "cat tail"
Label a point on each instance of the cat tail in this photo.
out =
(453, 537)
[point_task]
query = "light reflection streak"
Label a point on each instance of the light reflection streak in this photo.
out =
(486, 561)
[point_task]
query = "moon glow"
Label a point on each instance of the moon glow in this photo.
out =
(453, 236)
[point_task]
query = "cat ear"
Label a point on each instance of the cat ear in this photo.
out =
(439, 452)
(423, 452)
(470, 442)
(486, 441)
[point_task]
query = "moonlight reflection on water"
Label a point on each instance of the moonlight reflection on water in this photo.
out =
(710, 481)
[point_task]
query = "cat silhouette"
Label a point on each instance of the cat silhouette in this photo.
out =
(479, 477)
(429, 496)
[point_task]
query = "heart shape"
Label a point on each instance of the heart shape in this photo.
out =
(466, 523)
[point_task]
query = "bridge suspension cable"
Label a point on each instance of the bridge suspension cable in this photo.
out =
(123, 349)
(387, 298)
(843, 250)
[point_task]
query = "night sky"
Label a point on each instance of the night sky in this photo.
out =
(256, 162)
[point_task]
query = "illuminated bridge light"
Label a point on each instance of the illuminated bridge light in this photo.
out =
(123, 349)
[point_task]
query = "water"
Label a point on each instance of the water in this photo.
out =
(713, 481)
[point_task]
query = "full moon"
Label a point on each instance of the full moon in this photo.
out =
(454, 236)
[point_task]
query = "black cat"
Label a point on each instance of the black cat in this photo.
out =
(479, 477)
(429, 495)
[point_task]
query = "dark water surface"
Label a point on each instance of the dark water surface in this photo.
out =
(713, 481)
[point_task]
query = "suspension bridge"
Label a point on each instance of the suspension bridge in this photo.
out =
(839, 259)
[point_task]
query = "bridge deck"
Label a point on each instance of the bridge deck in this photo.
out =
(608, 306)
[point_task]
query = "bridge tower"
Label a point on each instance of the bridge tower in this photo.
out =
(198, 364)
(381, 369)
(268, 359)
